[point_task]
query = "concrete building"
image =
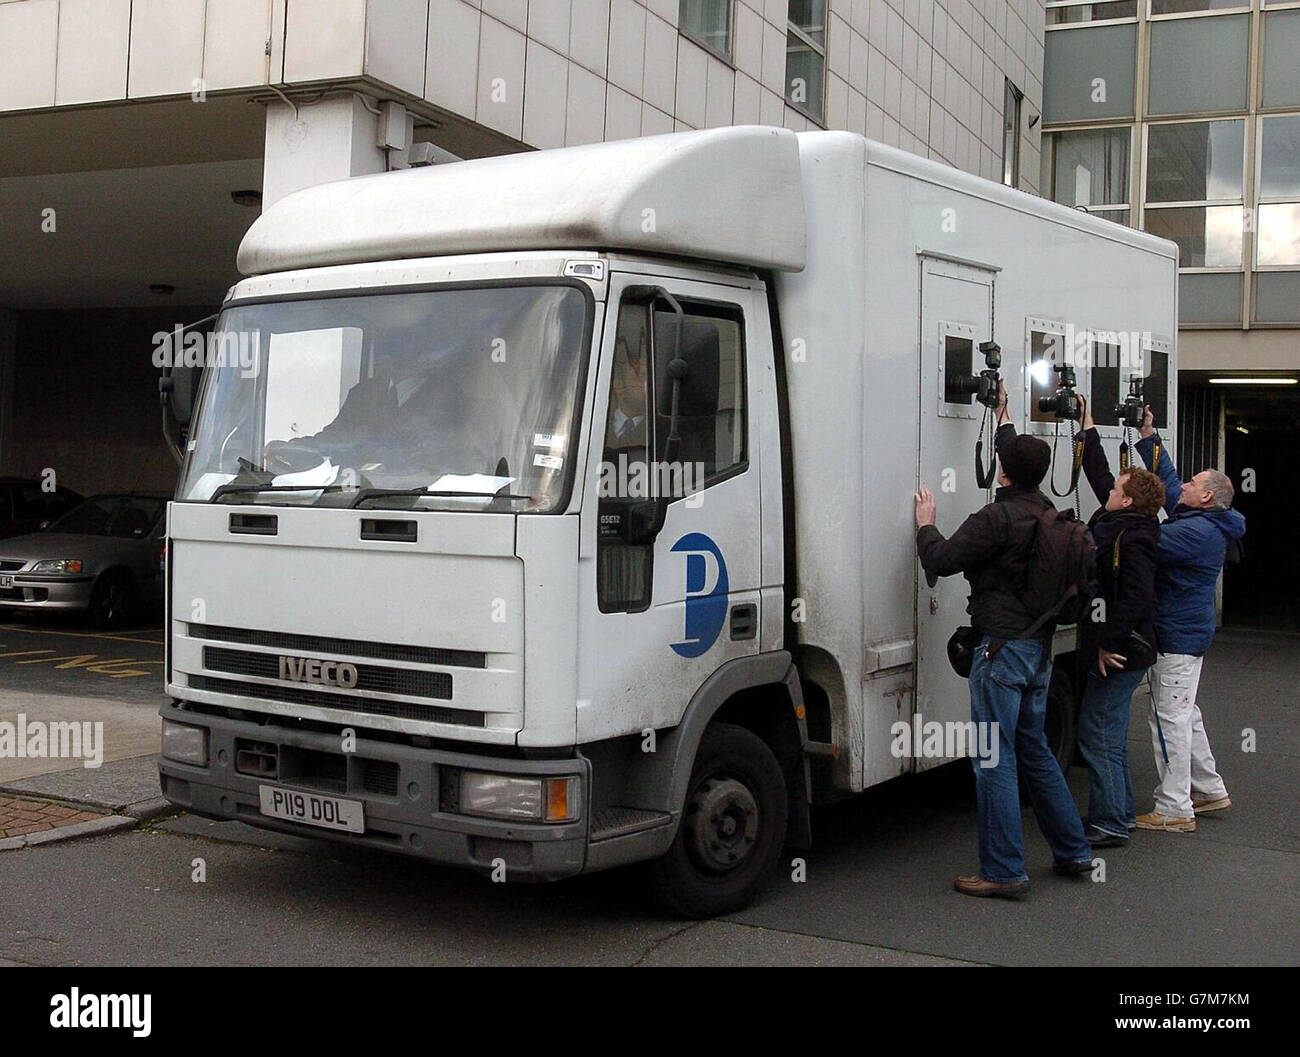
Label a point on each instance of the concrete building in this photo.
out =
(1182, 117)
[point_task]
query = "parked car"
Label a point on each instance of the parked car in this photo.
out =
(25, 505)
(104, 556)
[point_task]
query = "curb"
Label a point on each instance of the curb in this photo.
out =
(93, 827)
(139, 810)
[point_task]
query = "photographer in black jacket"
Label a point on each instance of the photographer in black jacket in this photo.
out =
(1116, 641)
(1009, 672)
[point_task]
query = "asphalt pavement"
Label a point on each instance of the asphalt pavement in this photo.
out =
(184, 890)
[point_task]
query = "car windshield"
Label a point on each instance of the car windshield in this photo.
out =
(461, 399)
(122, 516)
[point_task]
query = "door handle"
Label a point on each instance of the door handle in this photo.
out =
(744, 621)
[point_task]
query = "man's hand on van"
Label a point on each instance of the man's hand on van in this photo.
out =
(1107, 660)
(924, 507)
(1148, 422)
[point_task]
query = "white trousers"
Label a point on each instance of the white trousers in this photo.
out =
(1189, 768)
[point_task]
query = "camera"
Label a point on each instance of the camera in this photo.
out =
(1064, 403)
(983, 386)
(1131, 412)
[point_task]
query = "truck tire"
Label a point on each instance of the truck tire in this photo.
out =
(732, 830)
(113, 600)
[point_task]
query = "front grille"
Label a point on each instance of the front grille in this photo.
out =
(379, 776)
(380, 651)
(7, 566)
(322, 699)
(369, 676)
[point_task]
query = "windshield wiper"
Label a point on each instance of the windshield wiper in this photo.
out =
(231, 488)
(366, 494)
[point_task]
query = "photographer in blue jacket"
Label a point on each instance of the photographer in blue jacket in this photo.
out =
(1194, 540)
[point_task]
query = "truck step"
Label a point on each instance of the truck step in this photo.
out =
(619, 821)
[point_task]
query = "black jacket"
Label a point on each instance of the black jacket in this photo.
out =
(1129, 592)
(992, 547)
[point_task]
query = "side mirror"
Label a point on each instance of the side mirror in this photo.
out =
(178, 386)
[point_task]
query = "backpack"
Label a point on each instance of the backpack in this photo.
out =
(1061, 576)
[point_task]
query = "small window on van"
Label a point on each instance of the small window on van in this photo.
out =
(958, 363)
(1155, 386)
(1046, 350)
(1106, 395)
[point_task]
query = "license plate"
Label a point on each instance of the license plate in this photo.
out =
(6, 581)
(312, 809)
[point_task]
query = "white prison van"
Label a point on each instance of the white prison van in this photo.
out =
(545, 513)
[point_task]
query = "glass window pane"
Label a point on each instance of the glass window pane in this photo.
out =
(1179, 7)
(1207, 236)
(1281, 70)
(1279, 149)
(1277, 297)
(708, 21)
(1064, 16)
(1198, 65)
(810, 16)
(1279, 234)
(1091, 168)
(1011, 135)
(803, 75)
(1204, 297)
(1088, 73)
(1197, 162)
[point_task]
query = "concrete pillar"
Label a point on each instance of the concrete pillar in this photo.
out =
(332, 139)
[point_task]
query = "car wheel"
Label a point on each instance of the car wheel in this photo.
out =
(732, 830)
(113, 600)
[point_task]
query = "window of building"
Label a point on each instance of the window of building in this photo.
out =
(1089, 73)
(1185, 7)
(1277, 240)
(1012, 98)
(1194, 190)
(707, 22)
(1071, 12)
(1198, 65)
(805, 57)
(1280, 83)
(1089, 170)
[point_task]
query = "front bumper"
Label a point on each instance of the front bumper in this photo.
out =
(47, 592)
(400, 786)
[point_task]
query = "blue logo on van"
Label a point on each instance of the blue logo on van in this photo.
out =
(706, 593)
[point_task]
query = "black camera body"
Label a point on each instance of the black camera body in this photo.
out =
(984, 386)
(1131, 412)
(1064, 403)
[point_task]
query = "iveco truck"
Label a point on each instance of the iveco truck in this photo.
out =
(546, 513)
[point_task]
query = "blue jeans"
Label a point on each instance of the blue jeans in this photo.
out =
(1103, 743)
(1011, 691)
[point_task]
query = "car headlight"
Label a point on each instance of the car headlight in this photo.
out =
(508, 796)
(184, 744)
(58, 565)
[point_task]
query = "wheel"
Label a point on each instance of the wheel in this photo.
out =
(1062, 713)
(113, 600)
(732, 829)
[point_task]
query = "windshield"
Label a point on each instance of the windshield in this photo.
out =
(122, 516)
(443, 399)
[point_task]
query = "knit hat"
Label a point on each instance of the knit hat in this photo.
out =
(1025, 460)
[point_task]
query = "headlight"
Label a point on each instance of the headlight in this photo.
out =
(184, 744)
(505, 796)
(58, 565)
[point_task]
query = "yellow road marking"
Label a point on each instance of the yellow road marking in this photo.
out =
(81, 635)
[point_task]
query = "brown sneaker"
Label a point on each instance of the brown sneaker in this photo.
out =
(977, 886)
(1202, 807)
(1166, 823)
